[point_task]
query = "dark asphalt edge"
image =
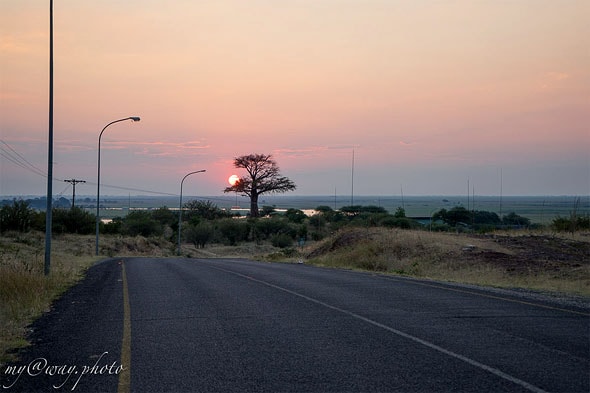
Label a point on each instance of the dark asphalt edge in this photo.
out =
(64, 300)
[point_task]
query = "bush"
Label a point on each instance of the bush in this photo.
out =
(199, 234)
(281, 240)
(74, 220)
(266, 227)
(203, 209)
(267, 211)
(397, 222)
(317, 236)
(112, 228)
(400, 212)
(327, 215)
(457, 215)
(233, 231)
(295, 215)
(485, 218)
(141, 223)
(165, 216)
(16, 217)
(515, 220)
(571, 224)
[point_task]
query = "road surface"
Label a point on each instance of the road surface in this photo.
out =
(230, 325)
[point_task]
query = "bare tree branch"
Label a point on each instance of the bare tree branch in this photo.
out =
(263, 177)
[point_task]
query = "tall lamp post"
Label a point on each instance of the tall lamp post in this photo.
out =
(48, 211)
(180, 206)
(134, 118)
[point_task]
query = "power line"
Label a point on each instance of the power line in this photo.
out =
(133, 189)
(18, 159)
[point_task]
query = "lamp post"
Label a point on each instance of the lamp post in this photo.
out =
(180, 206)
(49, 208)
(134, 118)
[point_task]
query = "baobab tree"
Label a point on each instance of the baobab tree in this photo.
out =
(263, 177)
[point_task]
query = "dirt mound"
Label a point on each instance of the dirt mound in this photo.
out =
(533, 254)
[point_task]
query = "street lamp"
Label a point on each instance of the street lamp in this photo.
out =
(180, 206)
(49, 208)
(134, 118)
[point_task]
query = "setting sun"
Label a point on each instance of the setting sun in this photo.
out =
(233, 179)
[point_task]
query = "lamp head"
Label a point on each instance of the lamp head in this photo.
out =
(135, 118)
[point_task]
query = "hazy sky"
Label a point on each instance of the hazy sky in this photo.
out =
(429, 94)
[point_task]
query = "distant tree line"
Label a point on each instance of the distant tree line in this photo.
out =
(40, 203)
(479, 220)
(204, 223)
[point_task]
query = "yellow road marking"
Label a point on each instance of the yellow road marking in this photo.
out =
(125, 376)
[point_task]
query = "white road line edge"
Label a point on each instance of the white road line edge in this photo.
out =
(428, 344)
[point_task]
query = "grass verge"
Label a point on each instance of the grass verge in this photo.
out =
(25, 292)
(545, 262)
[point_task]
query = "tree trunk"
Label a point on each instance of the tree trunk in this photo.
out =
(254, 205)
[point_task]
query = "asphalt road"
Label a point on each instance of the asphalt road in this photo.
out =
(210, 325)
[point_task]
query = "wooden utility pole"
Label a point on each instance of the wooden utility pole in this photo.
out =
(74, 182)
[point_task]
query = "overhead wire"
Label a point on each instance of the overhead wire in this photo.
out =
(63, 191)
(18, 159)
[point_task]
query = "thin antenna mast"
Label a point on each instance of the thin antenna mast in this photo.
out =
(468, 192)
(402, 191)
(500, 192)
(352, 181)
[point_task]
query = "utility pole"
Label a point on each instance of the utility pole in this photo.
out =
(74, 182)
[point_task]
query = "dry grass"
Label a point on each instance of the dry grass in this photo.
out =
(26, 293)
(533, 261)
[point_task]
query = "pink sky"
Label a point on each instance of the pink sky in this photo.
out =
(427, 93)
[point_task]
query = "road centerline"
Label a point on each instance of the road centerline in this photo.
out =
(125, 376)
(400, 333)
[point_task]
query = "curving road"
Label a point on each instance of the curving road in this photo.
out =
(213, 325)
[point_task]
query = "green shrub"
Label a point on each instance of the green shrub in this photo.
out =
(16, 217)
(571, 224)
(165, 216)
(199, 235)
(281, 240)
(515, 219)
(394, 222)
(266, 227)
(203, 209)
(141, 223)
(113, 227)
(295, 215)
(73, 220)
(233, 231)
(317, 236)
